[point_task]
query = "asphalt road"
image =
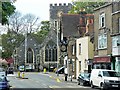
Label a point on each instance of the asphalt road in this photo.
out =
(41, 81)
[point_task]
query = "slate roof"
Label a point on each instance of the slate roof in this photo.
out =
(70, 24)
(29, 35)
(50, 36)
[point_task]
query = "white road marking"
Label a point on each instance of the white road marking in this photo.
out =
(54, 87)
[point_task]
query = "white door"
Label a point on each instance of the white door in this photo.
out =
(99, 78)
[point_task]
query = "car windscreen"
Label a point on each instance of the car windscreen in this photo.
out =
(110, 74)
(118, 74)
(2, 79)
(85, 75)
(1, 69)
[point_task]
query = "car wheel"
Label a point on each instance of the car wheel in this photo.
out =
(78, 83)
(102, 87)
(81, 83)
(91, 84)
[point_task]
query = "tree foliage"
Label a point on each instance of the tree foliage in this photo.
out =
(7, 9)
(45, 28)
(9, 42)
(87, 6)
(45, 25)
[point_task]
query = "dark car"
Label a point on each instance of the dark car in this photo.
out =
(84, 79)
(10, 70)
(4, 85)
(60, 70)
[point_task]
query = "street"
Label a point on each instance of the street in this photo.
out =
(40, 80)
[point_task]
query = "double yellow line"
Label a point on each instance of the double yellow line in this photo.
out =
(57, 79)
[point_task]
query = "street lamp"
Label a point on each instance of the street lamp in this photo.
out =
(57, 51)
(25, 51)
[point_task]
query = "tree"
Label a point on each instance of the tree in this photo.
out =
(45, 28)
(45, 25)
(17, 26)
(9, 42)
(31, 23)
(22, 24)
(15, 22)
(87, 6)
(7, 9)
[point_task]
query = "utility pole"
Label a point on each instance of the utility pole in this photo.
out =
(75, 61)
(57, 47)
(25, 50)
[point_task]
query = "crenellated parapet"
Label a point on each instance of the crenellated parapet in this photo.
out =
(60, 5)
(55, 8)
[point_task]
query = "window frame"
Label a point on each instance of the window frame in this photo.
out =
(80, 49)
(73, 50)
(101, 40)
(101, 23)
(119, 24)
(55, 24)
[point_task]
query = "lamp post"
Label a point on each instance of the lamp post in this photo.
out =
(57, 51)
(25, 51)
(37, 55)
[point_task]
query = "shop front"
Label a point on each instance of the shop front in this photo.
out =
(117, 63)
(102, 62)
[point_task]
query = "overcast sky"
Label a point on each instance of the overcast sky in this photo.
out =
(39, 8)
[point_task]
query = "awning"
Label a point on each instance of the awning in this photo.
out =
(10, 60)
(104, 59)
(3, 61)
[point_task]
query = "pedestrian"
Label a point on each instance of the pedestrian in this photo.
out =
(66, 74)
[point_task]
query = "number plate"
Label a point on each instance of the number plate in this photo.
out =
(114, 85)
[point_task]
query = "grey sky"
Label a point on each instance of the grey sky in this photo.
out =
(39, 8)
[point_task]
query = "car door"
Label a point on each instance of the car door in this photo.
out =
(99, 78)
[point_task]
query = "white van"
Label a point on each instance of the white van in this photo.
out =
(104, 78)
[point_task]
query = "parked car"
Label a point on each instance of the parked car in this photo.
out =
(51, 69)
(4, 84)
(2, 72)
(105, 79)
(10, 70)
(84, 79)
(118, 74)
(21, 68)
(60, 70)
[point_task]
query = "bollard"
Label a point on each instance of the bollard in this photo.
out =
(23, 75)
(65, 77)
(18, 74)
(44, 70)
(71, 78)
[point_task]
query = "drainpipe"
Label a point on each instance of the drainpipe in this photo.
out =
(113, 62)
